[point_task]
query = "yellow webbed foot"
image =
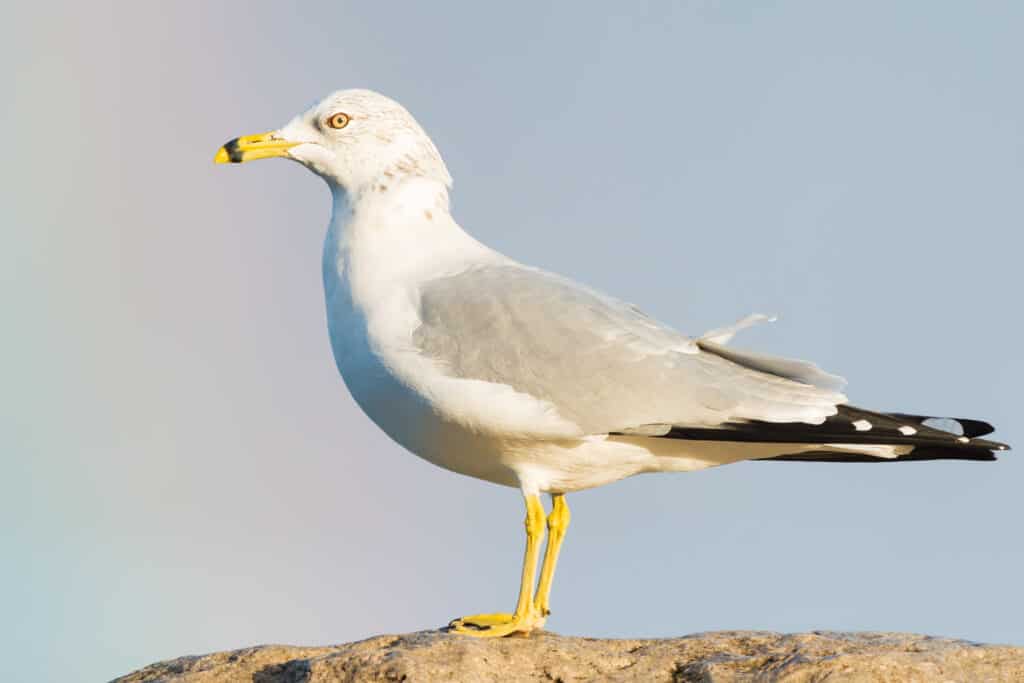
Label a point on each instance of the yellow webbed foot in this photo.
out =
(497, 624)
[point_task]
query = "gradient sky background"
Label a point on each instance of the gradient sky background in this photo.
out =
(184, 472)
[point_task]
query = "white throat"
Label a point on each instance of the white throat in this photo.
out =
(397, 232)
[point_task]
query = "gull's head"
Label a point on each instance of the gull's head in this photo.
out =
(352, 138)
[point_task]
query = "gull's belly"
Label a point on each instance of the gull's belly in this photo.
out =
(404, 413)
(410, 419)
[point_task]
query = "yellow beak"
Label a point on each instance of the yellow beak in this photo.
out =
(249, 147)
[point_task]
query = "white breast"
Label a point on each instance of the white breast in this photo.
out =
(374, 258)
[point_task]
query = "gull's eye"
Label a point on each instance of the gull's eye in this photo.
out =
(338, 121)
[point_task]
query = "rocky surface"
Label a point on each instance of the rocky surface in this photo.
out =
(731, 656)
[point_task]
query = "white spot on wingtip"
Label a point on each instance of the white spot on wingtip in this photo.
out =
(963, 439)
(907, 430)
(862, 425)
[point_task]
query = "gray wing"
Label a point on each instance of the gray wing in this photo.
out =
(602, 363)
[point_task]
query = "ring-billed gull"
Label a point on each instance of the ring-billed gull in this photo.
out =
(511, 374)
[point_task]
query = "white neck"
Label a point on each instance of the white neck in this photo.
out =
(394, 198)
(396, 232)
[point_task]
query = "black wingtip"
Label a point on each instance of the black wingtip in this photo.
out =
(931, 438)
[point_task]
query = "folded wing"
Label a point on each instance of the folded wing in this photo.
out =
(603, 364)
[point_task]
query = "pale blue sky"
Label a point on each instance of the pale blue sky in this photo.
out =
(184, 471)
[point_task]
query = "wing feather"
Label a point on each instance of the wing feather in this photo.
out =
(602, 363)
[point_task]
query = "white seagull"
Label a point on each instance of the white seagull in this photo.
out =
(497, 370)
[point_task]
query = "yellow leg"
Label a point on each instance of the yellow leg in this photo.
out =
(558, 524)
(526, 618)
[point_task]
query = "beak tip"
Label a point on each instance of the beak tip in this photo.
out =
(221, 157)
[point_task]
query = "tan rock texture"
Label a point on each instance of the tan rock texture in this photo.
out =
(728, 656)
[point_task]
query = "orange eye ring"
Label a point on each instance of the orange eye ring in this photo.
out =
(338, 121)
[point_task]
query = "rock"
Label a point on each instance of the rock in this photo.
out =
(729, 656)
